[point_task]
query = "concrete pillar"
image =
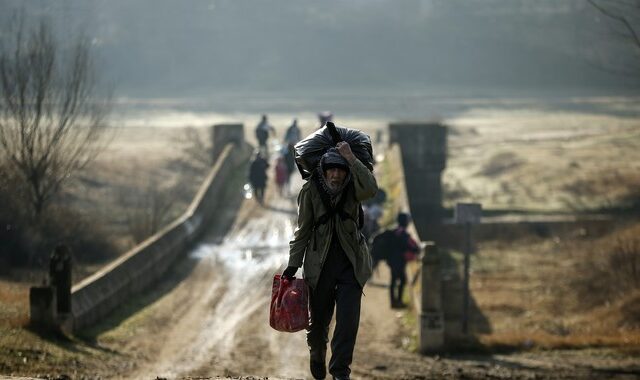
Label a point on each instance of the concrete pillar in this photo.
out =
(431, 316)
(60, 268)
(424, 155)
(222, 134)
(43, 306)
(453, 292)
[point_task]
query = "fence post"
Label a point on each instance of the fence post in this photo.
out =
(43, 308)
(431, 316)
(467, 214)
(222, 134)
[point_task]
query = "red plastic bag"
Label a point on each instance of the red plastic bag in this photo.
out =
(289, 304)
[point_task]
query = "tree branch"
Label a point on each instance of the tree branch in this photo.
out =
(621, 19)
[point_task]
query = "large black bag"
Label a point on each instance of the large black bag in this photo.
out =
(310, 150)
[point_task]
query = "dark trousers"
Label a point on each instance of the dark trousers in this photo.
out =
(337, 287)
(263, 147)
(259, 190)
(396, 288)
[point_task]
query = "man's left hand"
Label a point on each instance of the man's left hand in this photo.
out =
(345, 151)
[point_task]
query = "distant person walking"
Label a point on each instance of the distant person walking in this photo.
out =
(402, 249)
(282, 175)
(289, 155)
(372, 214)
(334, 255)
(258, 176)
(292, 135)
(324, 117)
(263, 129)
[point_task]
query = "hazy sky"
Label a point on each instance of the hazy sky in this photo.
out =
(160, 47)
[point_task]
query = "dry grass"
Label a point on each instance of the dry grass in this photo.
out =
(607, 274)
(501, 163)
(557, 294)
(391, 181)
(624, 341)
(548, 162)
(621, 189)
(14, 301)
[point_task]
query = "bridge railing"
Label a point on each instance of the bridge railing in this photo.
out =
(99, 294)
(425, 283)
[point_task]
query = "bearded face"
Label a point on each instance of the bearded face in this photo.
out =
(335, 178)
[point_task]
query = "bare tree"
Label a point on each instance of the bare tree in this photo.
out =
(196, 153)
(624, 21)
(149, 206)
(51, 123)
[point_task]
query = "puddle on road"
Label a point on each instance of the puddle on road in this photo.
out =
(249, 257)
(262, 244)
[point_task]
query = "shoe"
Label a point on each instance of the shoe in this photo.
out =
(341, 378)
(317, 364)
(318, 370)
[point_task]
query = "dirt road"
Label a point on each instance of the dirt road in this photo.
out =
(216, 321)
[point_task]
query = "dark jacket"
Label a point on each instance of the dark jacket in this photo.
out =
(310, 245)
(258, 172)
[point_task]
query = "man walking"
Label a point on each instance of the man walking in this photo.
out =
(292, 135)
(336, 260)
(258, 176)
(402, 249)
(263, 129)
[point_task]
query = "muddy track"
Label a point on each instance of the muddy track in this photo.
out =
(216, 320)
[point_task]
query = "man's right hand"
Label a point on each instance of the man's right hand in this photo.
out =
(290, 272)
(345, 151)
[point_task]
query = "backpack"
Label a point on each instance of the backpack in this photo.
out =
(383, 245)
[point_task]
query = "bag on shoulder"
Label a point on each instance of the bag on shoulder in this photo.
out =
(309, 151)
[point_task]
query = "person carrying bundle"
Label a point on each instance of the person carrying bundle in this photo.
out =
(329, 245)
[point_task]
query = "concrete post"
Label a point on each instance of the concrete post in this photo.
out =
(431, 316)
(222, 134)
(424, 154)
(60, 271)
(43, 306)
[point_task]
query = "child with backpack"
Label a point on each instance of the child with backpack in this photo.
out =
(396, 247)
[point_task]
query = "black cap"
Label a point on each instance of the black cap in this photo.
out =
(333, 159)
